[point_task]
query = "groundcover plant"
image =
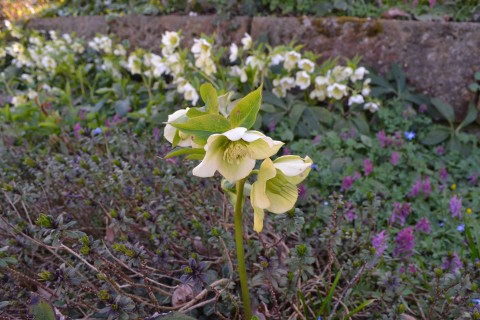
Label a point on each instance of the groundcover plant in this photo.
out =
(101, 218)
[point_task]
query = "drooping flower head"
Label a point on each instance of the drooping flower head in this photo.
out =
(423, 225)
(380, 243)
(456, 207)
(404, 243)
(233, 153)
(276, 187)
(171, 133)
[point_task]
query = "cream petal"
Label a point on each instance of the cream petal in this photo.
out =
(281, 193)
(169, 132)
(258, 216)
(213, 158)
(235, 171)
(253, 135)
(177, 114)
(235, 134)
(258, 196)
(292, 165)
(264, 148)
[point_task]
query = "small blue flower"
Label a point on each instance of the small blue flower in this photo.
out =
(476, 301)
(319, 318)
(461, 228)
(441, 223)
(314, 167)
(410, 135)
(325, 203)
(97, 131)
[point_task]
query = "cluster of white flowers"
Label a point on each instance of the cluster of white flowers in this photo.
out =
(202, 51)
(101, 44)
(284, 66)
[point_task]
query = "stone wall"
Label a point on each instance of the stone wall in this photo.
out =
(439, 58)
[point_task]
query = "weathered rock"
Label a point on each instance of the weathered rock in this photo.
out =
(439, 58)
(85, 27)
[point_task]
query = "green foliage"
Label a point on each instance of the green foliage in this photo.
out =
(41, 309)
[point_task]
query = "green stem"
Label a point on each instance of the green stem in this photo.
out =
(242, 271)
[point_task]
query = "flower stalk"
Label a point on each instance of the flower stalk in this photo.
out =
(242, 271)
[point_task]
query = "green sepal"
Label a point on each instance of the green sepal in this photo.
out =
(246, 109)
(185, 151)
(210, 97)
(202, 127)
(195, 112)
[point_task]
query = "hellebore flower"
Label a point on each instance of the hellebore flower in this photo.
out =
(233, 153)
(170, 131)
(276, 187)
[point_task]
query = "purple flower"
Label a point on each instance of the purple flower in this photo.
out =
(286, 151)
(97, 131)
(415, 188)
(156, 133)
(426, 187)
(383, 139)
(422, 108)
(473, 179)
(461, 228)
(317, 139)
(271, 126)
(410, 135)
(411, 268)
(348, 181)
(443, 174)
(395, 158)
(423, 186)
(423, 225)
(379, 242)
(77, 130)
(404, 243)
(400, 212)
(432, 3)
(452, 263)
(367, 166)
(440, 150)
(398, 138)
(456, 207)
(350, 211)
(302, 191)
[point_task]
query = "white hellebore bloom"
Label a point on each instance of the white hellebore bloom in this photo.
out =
(356, 99)
(336, 91)
(171, 40)
(201, 47)
(236, 71)
(276, 59)
(371, 106)
(366, 87)
(233, 52)
(190, 94)
(247, 42)
(306, 65)
(170, 131)
(48, 63)
(303, 80)
(234, 153)
(341, 73)
(358, 74)
(276, 187)
(291, 60)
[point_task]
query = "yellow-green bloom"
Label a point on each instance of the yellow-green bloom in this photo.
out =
(276, 187)
(234, 153)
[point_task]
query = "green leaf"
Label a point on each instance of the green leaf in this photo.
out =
(210, 97)
(477, 75)
(185, 151)
(445, 109)
(295, 115)
(399, 78)
(330, 293)
(195, 112)
(245, 111)
(360, 308)
(473, 87)
(436, 135)
(122, 107)
(202, 127)
(471, 116)
(40, 308)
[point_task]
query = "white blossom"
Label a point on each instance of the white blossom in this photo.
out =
(236, 71)
(233, 52)
(356, 99)
(371, 106)
(291, 60)
(247, 42)
(306, 65)
(336, 91)
(358, 74)
(302, 80)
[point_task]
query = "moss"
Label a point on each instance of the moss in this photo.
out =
(332, 29)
